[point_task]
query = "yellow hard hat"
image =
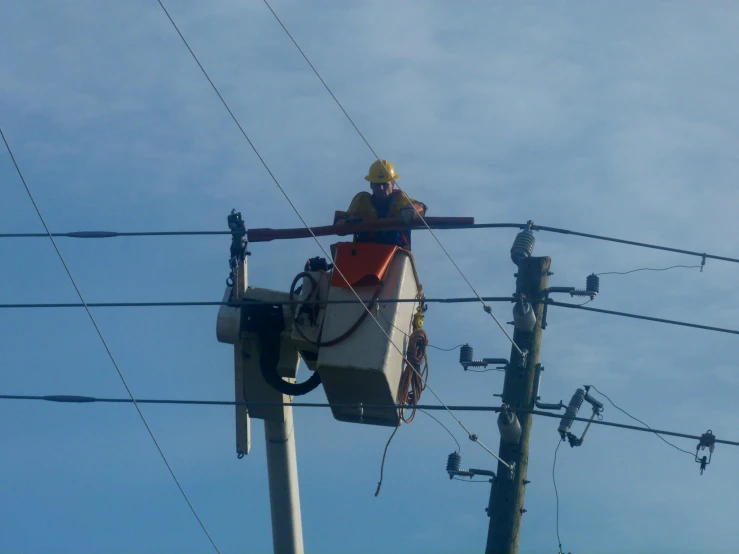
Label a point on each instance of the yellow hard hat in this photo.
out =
(379, 174)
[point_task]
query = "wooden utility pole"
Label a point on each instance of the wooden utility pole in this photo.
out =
(506, 505)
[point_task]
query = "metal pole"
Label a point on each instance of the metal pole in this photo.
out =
(284, 496)
(506, 503)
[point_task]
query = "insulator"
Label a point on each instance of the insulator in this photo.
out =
(509, 427)
(465, 355)
(453, 463)
(523, 246)
(571, 412)
(592, 283)
(524, 317)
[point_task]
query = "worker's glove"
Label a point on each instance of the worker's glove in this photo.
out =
(408, 215)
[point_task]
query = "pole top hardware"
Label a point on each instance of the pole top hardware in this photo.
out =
(707, 440)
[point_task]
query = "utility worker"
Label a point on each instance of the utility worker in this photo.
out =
(384, 202)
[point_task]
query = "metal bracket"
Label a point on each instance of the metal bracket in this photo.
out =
(238, 243)
(707, 440)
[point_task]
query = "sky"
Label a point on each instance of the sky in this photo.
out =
(610, 118)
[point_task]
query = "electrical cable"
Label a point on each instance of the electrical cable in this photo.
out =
(105, 345)
(245, 301)
(384, 455)
(644, 317)
(486, 307)
(459, 447)
(413, 379)
(471, 435)
(409, 336)
(388, 301)
(650, 269)
(79, 399)
(111, 234)
(691, 454)
(444, 349)
(556, 492)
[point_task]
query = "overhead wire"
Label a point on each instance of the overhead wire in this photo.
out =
(650, 269)
(161, 304)
(445, 349)
(105, 345)
(471, 435)
(643, 317)
(408, 336)
(485, 306)
(640, 421)
(534, 227)
(81, 399)
(387, 301)
(459, 447)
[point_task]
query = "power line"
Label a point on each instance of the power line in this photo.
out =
(105, 344)
(640, 421)
(487, 308)
(650, 269)
(634, 243)
(387, 301)
(315, 238)
(644, 317)
(534, 227)
(459, 447)
(237, 304)
(111, 234)
(79, 399)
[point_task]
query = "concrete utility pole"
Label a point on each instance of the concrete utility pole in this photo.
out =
(506, 505)
(279, 432)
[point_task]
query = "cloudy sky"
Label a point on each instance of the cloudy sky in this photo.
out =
(610, 118)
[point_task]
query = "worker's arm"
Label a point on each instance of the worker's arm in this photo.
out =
(356, 212)
(412, 209)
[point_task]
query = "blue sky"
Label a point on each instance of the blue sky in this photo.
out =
(611, 118)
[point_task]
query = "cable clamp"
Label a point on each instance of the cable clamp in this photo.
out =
(707, 440)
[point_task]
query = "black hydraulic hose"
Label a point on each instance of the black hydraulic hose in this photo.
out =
(270, 330)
